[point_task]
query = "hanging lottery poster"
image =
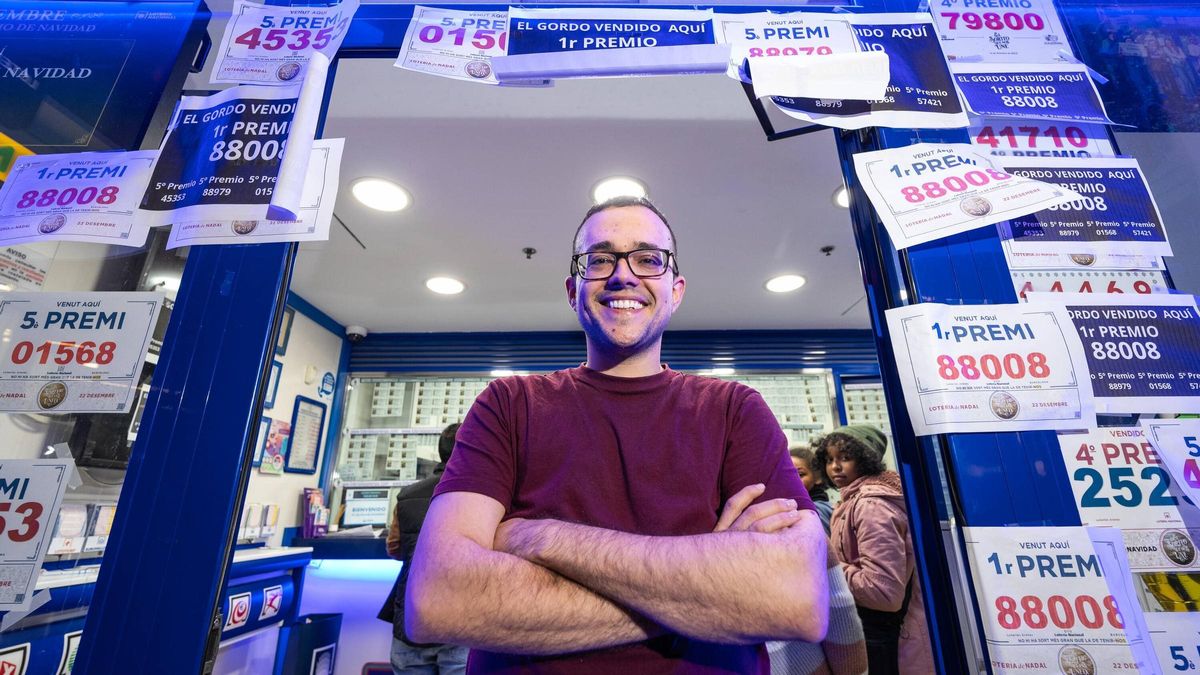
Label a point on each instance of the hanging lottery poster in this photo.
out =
(1141, 282)
(1120, 480)
(241, 154)
(1056, 600)
(33, 493)
(983, 368)
(1143, 351)
(1063, 93)
(86, 196)
(456, 44)
(1077, 260)
(1177, 442)
(801, 54)
(1176, 639)
(73, 352)
(315, 213)
(607, 42)
(1034, 138)
(1021, 32)
(930, 191)
(272, 44)
(920, 92)
(1115, 211)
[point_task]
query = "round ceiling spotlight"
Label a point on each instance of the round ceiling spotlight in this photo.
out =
(380, 194)
(785, 283)
(445, 285)
(841, 197)
(617, 186)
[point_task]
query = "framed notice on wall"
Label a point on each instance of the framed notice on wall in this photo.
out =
(308, 420)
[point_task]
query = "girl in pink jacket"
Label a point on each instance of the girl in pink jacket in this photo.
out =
(869, 535)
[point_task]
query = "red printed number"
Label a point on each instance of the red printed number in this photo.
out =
(278, 38)
(994, 21)
(1031, 612)
(992, 367)
(65, 353)
(483, 38)
(26, 526)
(68, 196)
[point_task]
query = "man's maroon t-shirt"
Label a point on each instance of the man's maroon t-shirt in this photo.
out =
(655, 455)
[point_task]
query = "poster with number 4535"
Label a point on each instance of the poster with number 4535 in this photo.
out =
(272, 44)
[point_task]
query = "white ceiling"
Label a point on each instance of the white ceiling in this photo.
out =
(494, 170)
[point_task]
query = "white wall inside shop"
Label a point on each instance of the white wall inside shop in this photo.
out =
(310, 344)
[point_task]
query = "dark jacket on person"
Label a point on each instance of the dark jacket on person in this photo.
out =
(412, 503)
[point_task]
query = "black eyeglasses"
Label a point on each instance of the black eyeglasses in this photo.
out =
(646, 263)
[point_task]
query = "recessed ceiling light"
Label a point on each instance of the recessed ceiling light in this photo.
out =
(502, 372)
(785, 283)
(617, 186)
(445, 285)
(723, 372)
(841, 197)
(380, 194)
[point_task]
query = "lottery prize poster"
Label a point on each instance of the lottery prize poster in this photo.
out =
(1143, 351)
(986, 368)
(930, 191)
(87, 196)
(1088, 281)
(225, 156)
(606, 42)
(1022, 92)
(1076, 260)
(1120, 480)
(769, 35)
(1176, 639)
(1024, 32)
(1039, 138)
(316, 210)
(920, 92)
(1056, 600)
(1177, 442)
(32, 490)
(455, 44)
(74, 352)
(1115, 211)
(271, 44)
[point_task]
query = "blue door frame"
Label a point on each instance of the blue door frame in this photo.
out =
(172, 541)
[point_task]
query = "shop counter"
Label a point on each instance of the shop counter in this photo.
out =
(263, 590)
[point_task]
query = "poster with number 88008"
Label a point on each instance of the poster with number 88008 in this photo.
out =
(271, 44)
(1028, 31)
(1056, 600)
(30, 496)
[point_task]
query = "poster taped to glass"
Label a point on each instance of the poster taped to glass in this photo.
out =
(74, 352)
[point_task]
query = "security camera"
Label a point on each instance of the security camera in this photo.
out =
(356, 333)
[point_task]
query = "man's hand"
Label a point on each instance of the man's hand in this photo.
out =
(770, 516)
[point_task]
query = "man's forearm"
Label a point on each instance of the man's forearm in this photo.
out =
(468, 595)
(726, 587)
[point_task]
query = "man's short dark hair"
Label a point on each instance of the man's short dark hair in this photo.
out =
(446, 441)
(867, 461)
(620, 202)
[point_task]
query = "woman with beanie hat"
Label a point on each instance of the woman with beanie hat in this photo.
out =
(869, 535)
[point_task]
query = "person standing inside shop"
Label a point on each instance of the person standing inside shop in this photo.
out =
(412, 503)
(869, 535)
(814, 481)
(600, 519)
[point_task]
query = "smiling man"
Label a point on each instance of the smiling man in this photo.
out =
(619, 517)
